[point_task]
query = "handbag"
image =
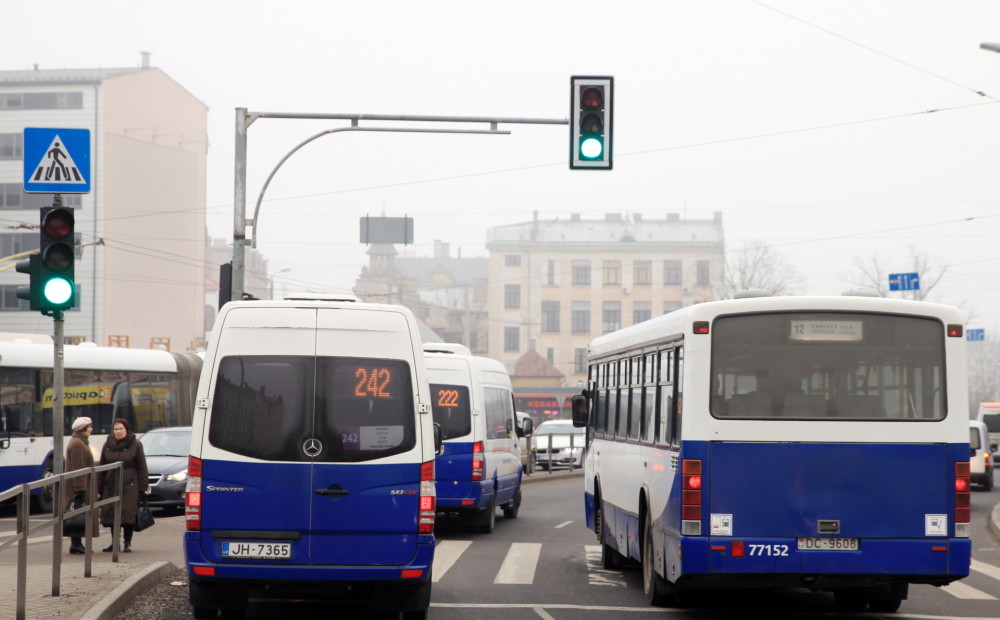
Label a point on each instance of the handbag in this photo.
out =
(144, 517)
(75, 526)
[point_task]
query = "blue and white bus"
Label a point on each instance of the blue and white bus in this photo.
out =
(149, 388)
(817, 442)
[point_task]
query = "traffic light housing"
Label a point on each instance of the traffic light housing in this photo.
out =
(52, 286)
(591, 122)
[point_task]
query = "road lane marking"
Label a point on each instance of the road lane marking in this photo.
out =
(962, 591)
(446, 553)
(563, 524)
(519, 565)
(597, 574)
(987, 569)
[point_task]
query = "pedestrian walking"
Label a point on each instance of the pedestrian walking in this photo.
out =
(79, 456)
(123, 447)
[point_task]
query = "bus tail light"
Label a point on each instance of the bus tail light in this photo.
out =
(428, 499)
(738, 549)
(963, 500)
(192, 496)
(478, 460)
(691, 497)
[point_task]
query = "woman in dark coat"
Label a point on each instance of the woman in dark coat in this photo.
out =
(123, 447)
(79, 456)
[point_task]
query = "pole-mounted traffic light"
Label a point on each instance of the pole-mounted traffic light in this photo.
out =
(52, 285)
(591, 122)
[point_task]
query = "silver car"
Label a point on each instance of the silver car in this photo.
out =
(559, 444)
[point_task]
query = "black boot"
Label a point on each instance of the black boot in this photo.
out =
(109, 548)
(128, 546)
(76, 546)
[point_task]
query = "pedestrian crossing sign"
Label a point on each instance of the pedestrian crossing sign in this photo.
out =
(56, 161)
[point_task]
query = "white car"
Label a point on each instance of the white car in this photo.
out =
(980, 465)
(559, 444)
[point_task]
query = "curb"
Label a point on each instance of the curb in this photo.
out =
(112, 603)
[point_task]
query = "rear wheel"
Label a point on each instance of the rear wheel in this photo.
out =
(42, 502)
(511, 509)
(488, 518)
(653, 586)
(203, 613)
(850, 600)
(420, 614)
(988, 485)
(610, 559)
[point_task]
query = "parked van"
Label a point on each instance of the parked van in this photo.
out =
(980, 462)
(989, 414)
(479, 467)
(311, 466)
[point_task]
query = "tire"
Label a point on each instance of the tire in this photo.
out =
(234, 614)
(850, 600)
(419, 614)
(42, 502)
(488, 517)
(885, 602)
(511, 509)
(653, 586)
(610, 559)
(204, 613)
(988, 485)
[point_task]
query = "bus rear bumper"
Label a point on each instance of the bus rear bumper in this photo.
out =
(877, 561)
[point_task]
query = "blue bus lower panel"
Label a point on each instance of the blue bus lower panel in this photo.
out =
(283, 571)
(464, 494)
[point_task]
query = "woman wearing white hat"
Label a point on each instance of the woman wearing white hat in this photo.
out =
(79, 456)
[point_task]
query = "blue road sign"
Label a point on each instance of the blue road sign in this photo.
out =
(56, 161)
(975, 334)
(904, 282)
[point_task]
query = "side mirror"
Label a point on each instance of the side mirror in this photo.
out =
(527, 427)
(581, 411)
(972, 451)
(5, 441)
(438, 442)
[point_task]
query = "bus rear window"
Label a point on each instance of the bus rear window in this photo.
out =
(266, 407)
(828, 366)
(450, 404)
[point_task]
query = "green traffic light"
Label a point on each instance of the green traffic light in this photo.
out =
(57, 291)
(591, 148)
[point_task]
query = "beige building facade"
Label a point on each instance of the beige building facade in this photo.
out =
(141, 258)
(555, 285)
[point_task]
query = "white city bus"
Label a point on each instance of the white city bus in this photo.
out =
(148, 388)
(817, 442)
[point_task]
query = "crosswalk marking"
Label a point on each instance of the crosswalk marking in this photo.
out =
(519, 565)
(960, 590)
(987, 569)
(446, 553)
(597, 574)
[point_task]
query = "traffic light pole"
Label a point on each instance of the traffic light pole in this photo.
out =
(58, 389)
(244, 119)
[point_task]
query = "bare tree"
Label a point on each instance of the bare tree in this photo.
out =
(871, 272)
(759, 266)
(984, 367)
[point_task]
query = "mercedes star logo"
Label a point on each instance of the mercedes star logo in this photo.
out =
(312, 447)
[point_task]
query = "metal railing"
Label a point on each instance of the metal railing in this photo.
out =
(550, 462)
(22, 493)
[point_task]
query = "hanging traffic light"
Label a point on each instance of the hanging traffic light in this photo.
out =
(53, 286)
(591, 122)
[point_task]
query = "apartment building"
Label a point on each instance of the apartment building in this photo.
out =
(140, 267)
(557, 284)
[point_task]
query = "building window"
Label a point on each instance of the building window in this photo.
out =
(11, 197)
(512, 296)
(579, 361)
(15, 243)
(551, 274)
(41, 101)
(581, 317)
(612, 272)
(550, 316)
(581, 272)
(550, 355)
(11, 146)
(512, 260)
(9, 301)
(642, 273)
(672, 272)
(641, 311)
(511, 338)
(611, 317)
(703, 279)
